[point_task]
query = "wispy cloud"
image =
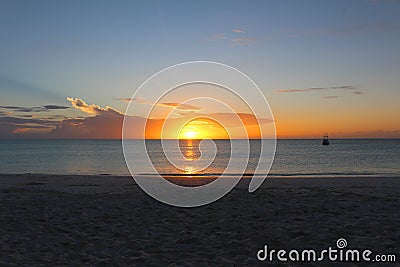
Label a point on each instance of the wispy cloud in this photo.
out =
(141, 100)
(185, 107)
(348, 88)
(127, 99)
(245, 41)
(124, 99)
(343, 87)
(238, 31)
(231, 38)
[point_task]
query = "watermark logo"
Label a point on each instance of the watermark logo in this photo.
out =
(175, 121)
(338, 254)
(341, 243)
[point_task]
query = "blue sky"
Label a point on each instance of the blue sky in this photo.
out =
(101, 50)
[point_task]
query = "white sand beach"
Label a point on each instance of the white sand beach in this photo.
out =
(49, 220)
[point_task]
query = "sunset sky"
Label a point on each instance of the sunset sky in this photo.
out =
(69, 68)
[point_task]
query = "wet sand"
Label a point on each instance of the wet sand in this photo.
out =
(57, 220)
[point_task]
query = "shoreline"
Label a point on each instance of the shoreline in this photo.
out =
(105, 182)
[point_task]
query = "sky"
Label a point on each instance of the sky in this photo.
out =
(68, 69)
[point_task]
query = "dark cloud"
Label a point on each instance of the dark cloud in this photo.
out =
(23, 121)
(107, 125)
(19, 109)
(35, 109)
(26, 116)
(50, 107)
(358, 93)
(104, 123)
(25, 127)
(16, 123)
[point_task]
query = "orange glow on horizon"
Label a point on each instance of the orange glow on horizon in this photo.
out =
(204, 128)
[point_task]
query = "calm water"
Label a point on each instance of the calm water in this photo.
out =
(293, 157)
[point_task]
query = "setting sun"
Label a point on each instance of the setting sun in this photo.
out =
(189, 134)
(202, 128)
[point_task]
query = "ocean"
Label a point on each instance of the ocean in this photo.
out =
(293, 158)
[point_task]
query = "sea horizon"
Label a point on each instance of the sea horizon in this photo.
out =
(294, 158)
(120, 139)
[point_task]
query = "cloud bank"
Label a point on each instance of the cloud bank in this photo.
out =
(99, 122)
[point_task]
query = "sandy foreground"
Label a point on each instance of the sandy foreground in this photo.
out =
(50, 220)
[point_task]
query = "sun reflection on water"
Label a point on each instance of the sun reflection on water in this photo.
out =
(190, 170)
(190, 151)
